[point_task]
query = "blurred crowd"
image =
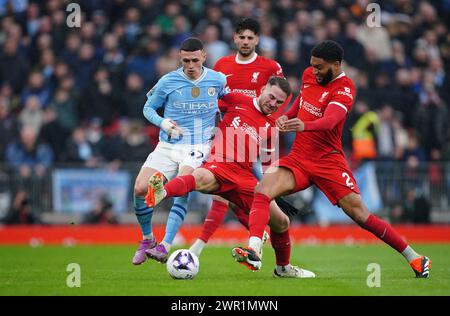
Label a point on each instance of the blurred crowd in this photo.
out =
(76, 94)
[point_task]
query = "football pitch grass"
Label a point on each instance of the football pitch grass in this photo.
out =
(107, 270)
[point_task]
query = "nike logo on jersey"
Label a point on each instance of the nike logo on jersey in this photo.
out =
(305, 86)
(226, 76)
(239, 108)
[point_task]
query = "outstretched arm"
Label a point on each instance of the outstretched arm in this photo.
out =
(293, 110)
(332, 116)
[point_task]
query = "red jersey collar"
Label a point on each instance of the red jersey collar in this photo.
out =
(340, 76)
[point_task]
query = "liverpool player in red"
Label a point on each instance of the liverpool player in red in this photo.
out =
(228, 171)
(316, 157)
(247, 73)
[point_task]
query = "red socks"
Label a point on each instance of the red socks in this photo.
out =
(385, 232)
(281, 243)
(259, 215)
(180, 186)
(214, 218)
(242, 216)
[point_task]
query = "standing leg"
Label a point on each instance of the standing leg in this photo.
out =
(281, 243)
(355, 209)
(212, 221)
(275, 182)
(143, 214)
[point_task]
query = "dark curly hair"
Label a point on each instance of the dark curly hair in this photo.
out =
(329, 51)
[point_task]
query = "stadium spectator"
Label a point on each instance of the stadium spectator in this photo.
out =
(102, 213)
(386, 134)
(143, 63)
(113, 59)
(182, 31)
(13, 66)
(99, 100)
(133, 97)
(70, 52)
(365, 132)
(32, 113)
(417, 208)
(8, 127)
(135, 144)
(214, 16)
(29, 157)
(214, 47)
(66, 109)
(54, 133)
(36, 87)
(79, 149)
(21, 211)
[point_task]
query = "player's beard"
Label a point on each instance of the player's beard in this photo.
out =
(327, 78)
(246, 54)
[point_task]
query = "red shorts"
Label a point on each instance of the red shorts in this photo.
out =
(331, 175)
(237, 184)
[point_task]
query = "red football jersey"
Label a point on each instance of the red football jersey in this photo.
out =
(248, 77)
(251, 76)
(242, 131)
(313, 102)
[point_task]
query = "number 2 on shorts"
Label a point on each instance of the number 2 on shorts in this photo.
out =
(348, 181)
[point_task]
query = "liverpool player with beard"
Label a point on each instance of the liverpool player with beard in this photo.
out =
(246, 73)
(228, 170)
(317, 157)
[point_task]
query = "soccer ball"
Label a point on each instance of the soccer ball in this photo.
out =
(183, 264)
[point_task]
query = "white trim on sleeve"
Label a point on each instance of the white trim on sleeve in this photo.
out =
(271, 150)
(340, 104)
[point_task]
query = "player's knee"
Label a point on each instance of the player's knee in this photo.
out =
(357, 212)
(284, 223)
(361, 215)
(140, 188)
(280, 224)
(261, 188)
(201, 179)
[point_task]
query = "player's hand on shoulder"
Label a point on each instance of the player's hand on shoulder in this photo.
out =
(293, 125)
(171, 128)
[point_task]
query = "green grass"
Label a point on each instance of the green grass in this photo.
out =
(107, 270)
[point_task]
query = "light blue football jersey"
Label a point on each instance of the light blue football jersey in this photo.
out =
(192, 104)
